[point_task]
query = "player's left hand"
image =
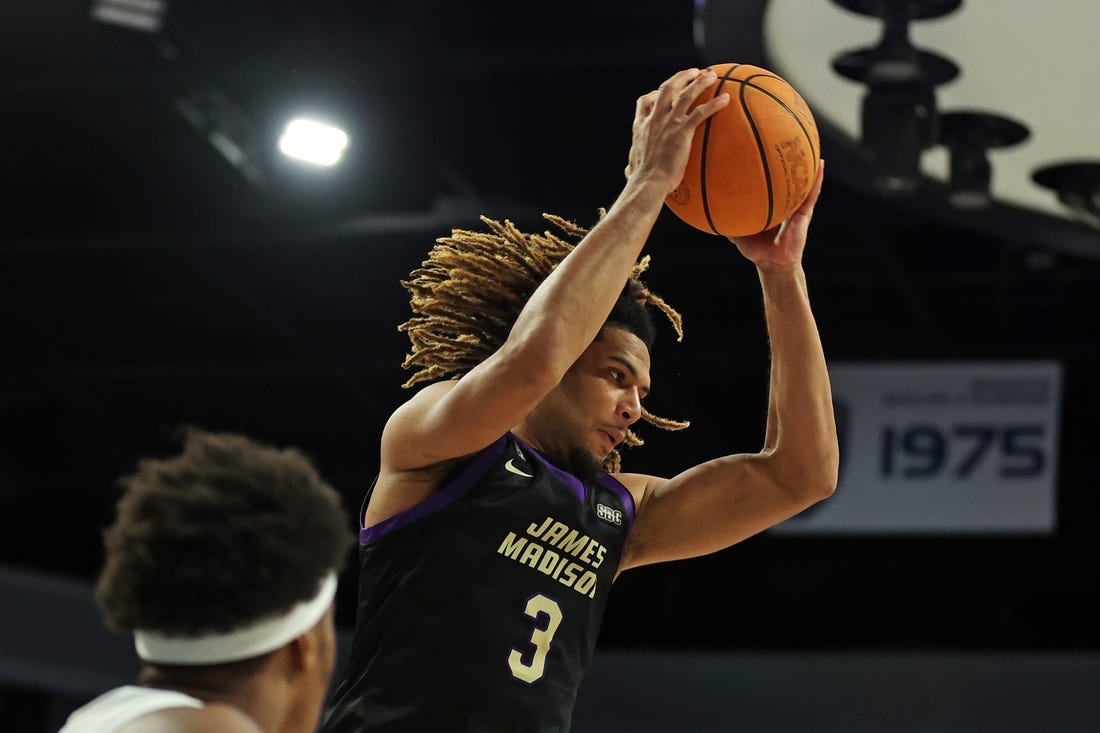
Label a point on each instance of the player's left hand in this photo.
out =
(780, 248)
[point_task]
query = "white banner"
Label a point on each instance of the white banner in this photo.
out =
(957, 447)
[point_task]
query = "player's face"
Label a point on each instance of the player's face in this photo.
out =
(588, 413)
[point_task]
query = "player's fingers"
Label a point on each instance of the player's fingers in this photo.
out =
(672, 87)
(708, 108)
(696, 87)
(815, 190)
(644, 105)
(806, 208)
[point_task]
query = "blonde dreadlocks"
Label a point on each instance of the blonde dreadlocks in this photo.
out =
(468, 293)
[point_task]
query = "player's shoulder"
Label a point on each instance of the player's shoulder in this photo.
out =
(418, 403)
(210, 717)
(425, 396)
(638, 484)
(222, 717)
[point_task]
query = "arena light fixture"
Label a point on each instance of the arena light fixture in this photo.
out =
(140, 15)
(313, 142)
(1077, 185)
(899, 118)
(968, 135)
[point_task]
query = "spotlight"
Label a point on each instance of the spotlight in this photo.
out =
(897, 122)
(895, 59)
(1077, 184)
(967, 136)
(140, 15)
(313, 142)
(898, 115)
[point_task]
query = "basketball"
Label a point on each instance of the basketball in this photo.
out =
(753, 162)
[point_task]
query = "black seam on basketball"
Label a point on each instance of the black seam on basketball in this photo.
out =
(748, 82)
(703, 174)
(763, 156)
(703, 154)
(784, 105)
(809, 139)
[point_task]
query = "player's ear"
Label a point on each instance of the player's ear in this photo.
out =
(302, 651)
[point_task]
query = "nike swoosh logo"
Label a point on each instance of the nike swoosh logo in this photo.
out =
(509, 467)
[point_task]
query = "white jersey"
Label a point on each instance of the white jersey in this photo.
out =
(122, 705)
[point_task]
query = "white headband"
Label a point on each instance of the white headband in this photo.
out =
(250, 641)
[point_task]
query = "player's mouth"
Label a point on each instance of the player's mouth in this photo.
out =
(612, 438)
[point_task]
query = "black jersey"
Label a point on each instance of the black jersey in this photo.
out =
(479, 607)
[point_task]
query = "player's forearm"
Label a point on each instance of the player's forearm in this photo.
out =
(801, 432)
(569, 307)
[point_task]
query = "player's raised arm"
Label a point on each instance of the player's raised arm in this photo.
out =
(564, 312)
(725, 500)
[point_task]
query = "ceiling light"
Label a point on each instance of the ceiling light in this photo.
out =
(895, 59)
(897, 123)
(898, 116)
(1077, 184)
(313, 142)
(141, 15)
(967, 136)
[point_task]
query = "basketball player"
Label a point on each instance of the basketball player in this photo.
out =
(499, 517)
(222, 561)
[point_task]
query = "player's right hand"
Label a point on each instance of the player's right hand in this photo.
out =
(664, 126)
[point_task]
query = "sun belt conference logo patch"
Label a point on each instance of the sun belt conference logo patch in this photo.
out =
(609, 515)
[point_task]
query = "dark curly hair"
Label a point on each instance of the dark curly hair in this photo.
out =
(228, 532)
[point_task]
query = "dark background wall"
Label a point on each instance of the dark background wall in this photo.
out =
(145, 282)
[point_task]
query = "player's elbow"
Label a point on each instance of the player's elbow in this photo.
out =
(829, 470)
(809, 476)
(827, 474)
(814, 485)
(817, 462)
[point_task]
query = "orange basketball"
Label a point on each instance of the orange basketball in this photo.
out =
(752, 163)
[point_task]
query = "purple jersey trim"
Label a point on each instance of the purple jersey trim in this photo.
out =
(454, 489)
(469, 475)
(577, 486)
(627, 498)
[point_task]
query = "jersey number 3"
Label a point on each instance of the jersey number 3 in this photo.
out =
(541, 637)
